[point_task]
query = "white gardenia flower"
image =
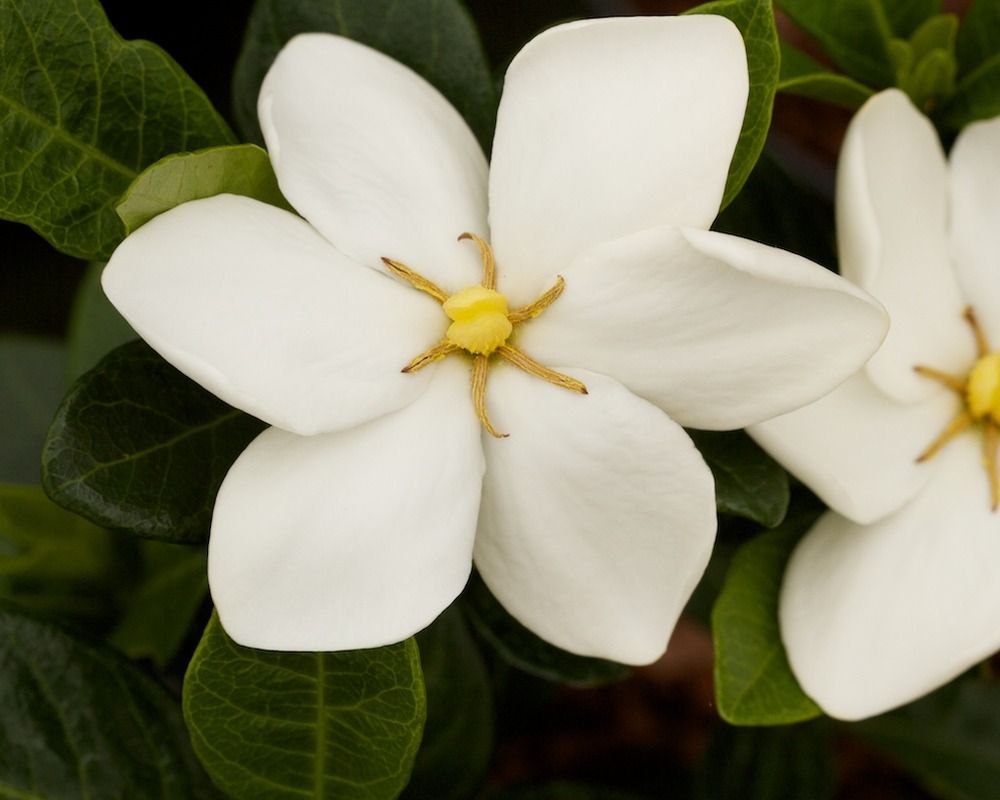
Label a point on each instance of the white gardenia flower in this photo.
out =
(354, 520)
(897, 590)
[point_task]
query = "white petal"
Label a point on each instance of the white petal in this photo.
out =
(975, 220)
(857, 448)
(598, 515)
(252, 303)
(374, 157)
(874, 617)
(720, 332)
(353, 539)
(891, 218)
(607, 127)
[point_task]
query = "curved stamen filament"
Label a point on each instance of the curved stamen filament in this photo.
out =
(429, 356)
(991, 440)
(958, 424)
(532, 310)
(532, 367)
(982, 346)
(415, 279)
(489, 263)
(953, 383)
(480, 369)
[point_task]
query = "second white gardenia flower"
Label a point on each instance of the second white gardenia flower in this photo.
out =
(897, 590)
(449, 384)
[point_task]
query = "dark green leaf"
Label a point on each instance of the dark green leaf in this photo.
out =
(82, 112)
(775, 210)
(435, 38)
(793, 763)
(977, 95)
(53, 562)
(950, 739)
(81, 722)
(242, 169)
(272, 725)
(521, 648)
(754, 684)
(561, 790)
(978, 36)
(854, 33)
(801, 75)
(755, 19)
(905, 16)
(458, 738)
(95, 326)
(139, 447)
(32, 382)
(748, 482)
(160, 608)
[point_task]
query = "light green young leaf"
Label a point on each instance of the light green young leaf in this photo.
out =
(79, 721)
(270, 726)
(53, 562)
(32, 383)
(754, 684)
(949, 739)
(242, 169)
(435, 38)
(755, 20)
(82, 112)
(748, 482)
(802, 76)
(137, 446)
(170, 588)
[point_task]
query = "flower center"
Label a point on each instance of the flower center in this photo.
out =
(980, 393)
(481, 325)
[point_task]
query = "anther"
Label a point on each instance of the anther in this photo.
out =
(480, 369)
(982, 345)
(532, 310)
(532, 367)
(435, 353)
(958, 424)
(953, 383)
(489, 262)
(415, 279)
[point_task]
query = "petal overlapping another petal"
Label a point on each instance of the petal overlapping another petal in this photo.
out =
(975, 220)
(353, 539)
(892, 220)
(607, 127)
(598, 515)
(374, 157)
(720, 332)
(876, 616)
(857, 448)
(252, 303)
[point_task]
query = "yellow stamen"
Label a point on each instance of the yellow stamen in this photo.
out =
(532, 310)
(429, 356)
(532, 367)
(953, 383)
(991, 440)
(983, 388)
(982, 345)
(958, 424)
(489, 263)
(480, 368)
(416, 280)
(480, 320)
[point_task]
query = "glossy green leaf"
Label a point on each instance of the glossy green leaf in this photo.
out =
(270, 726)
(521, 648)
(95, 326)
(159, 609)
(950, 739)
(80, 722)
(242, 169)
(32, 383)
(435, 38)
(755, 20)
(53, 562)
(748, 482)
(853, 33)
(82, 112)
(139, 447)
(754, 684)
(802, 76)
(790, 763)
(978, 40)
(458, 738)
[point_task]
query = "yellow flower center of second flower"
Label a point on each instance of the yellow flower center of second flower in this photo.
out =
(980, 393)
(481, 324)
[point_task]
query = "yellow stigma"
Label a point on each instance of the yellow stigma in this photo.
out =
(480, 320)
(982, 392)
